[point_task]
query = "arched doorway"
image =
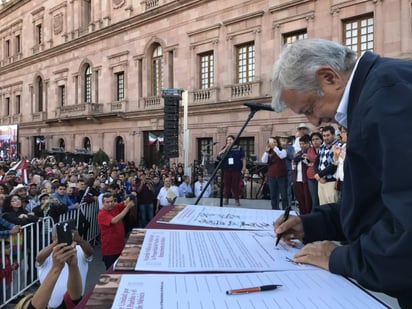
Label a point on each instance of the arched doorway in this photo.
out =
(86, 144)
(119, 149)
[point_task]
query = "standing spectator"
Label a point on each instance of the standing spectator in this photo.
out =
(312, 153)
(275, 156)
(300, 176)
(325, 169)
(217, 186)
(286, 143)
(110, 220)
(62, 196)
(199, 186)
(339, 154)
(185, 188)
(166, 198)
(233, 166)
(145, 200)
(44, 263)
(301, 130)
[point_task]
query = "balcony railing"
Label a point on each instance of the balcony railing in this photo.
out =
(151, 4)
(84, 109)
(200, 96)
(245, 90)
(118, 106)
(39, 116)
(152, 102)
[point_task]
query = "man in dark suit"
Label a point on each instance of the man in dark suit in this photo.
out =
(371, 97)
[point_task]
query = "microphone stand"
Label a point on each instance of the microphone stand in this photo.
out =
(253, 110)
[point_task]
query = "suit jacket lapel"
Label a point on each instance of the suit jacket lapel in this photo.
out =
(365, 64)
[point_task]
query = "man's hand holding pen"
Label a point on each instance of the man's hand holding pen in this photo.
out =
(316, 253)
(290, 229)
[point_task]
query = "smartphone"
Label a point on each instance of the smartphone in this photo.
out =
(64, 232)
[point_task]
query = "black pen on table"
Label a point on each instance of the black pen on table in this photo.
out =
(285, 218)
(253, 289)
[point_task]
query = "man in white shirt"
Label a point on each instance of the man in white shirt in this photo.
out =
(166, 198)
(44, 263)
(199, 186)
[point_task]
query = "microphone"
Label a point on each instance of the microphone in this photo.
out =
(258, 106)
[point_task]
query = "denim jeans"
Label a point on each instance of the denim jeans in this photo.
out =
(313, 189)
(146, 213)
(277, 185)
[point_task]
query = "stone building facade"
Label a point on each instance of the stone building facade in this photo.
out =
(83, 75)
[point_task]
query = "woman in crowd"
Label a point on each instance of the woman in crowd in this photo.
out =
(312, 153)
(233, 166)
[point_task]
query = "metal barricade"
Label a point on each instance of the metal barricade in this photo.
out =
(22, 249)
(25, 245)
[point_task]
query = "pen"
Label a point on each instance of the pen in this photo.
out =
(254, 289)
(285, 218)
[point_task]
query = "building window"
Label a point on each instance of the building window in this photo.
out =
(289, 38)
(17, 44)
(39, 85)
(39, 38)
(87, 13)
(62, 95)
(7, 48)
(120, 86)
(18, 104)
(358, 34)
(248, 145)
(7, 107)
(245, 63)
(157, 71)
(206, 70)
(205, 150)
(88, 84)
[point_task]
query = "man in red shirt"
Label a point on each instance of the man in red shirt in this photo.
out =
(111, 227)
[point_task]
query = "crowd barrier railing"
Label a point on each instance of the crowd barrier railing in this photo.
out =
(25, 245)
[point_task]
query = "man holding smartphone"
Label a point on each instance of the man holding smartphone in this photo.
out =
(44, 263)
(111, 227)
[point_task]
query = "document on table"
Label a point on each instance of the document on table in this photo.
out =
(222, 217)
(300, 289)
(205, 250)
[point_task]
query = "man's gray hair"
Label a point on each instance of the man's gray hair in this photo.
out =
(298, 62)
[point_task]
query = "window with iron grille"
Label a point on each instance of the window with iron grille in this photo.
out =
(205, 150)
(88, 84)
(358, 34)
(120, 86)
(157, 71)
(248, 145)
(289, 38)
(206, 70)
(245, 63)
(62, 95)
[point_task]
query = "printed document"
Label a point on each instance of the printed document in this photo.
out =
(223, 217)
(223, 251)
(300, 289)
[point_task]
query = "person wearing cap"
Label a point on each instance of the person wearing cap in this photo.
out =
(370, 96)
(302, 129)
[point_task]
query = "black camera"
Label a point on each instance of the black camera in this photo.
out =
(64, 232)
